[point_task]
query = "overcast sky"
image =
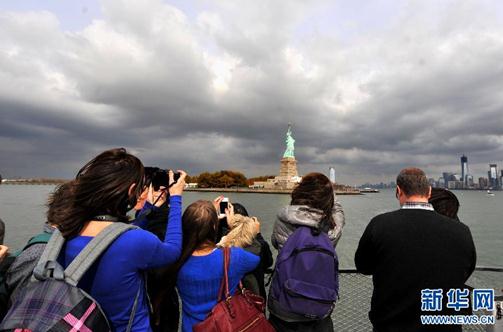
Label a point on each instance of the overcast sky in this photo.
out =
(370, 86)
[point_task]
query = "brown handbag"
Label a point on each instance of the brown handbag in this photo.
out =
(243, 311)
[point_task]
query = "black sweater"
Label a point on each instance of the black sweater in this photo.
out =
(409, 250)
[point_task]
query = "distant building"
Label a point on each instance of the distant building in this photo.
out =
(448, 176)
(464, 169)
(492, 175)
(483, 183)
(469, 181)
(455, 185)
(331, 172)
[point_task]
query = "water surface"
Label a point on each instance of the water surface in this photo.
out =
(23, 210)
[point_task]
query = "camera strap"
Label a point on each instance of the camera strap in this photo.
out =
(163, 192)
(105, 217)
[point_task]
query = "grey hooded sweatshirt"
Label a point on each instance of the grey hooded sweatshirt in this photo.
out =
(292, 216)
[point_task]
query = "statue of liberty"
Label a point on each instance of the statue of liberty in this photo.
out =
(290, 143)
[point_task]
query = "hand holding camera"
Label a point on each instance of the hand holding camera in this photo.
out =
(227, 208)
(256, 223)
(161, 181)
(159, 177)
(219, 207)
(176, 182)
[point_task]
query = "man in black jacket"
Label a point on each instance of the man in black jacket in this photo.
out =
(412, 249)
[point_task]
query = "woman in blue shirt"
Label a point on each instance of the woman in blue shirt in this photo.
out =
(101, 194)
(200, 269)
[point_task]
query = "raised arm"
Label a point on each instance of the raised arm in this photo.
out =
(168, 251)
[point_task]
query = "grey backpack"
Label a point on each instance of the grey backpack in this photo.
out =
(52, 301)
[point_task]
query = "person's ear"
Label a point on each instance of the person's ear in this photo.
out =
(429, 192)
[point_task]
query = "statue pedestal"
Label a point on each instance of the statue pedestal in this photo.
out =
(288, 168)
(288, 176)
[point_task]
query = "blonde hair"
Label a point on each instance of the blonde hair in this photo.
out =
(242, 233)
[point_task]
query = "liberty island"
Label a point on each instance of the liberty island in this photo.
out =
(287, 179)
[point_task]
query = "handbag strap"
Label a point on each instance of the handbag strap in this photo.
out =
(135, 306)
(224, 293)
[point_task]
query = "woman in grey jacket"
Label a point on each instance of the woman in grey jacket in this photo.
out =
(313, 205)
(309, 205)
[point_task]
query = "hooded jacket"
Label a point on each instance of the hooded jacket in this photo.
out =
(292, 216)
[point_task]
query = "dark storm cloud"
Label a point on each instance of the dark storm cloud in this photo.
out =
(217, 90)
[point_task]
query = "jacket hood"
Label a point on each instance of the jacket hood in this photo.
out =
(292, 216)
(301, 215)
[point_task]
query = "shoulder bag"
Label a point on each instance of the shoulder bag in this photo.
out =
(241, 312)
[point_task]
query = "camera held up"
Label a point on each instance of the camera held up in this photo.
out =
(159, 177)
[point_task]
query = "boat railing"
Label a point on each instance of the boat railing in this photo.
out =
(355, 292)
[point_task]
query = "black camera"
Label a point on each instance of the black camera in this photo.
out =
(159, 177)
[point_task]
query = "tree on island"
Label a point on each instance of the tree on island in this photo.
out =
(205, 180)
(221, 179)
(226, 180)
(191, 179)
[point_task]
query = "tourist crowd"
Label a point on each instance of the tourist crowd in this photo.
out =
(92, 269)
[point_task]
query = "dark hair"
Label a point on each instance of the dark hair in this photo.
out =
(240, 209)
(149, 174)
(412, 181)
(58, 203)
(100, 187)
(316, 191)
(444, 202)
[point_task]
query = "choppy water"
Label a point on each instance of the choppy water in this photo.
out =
(23, 210)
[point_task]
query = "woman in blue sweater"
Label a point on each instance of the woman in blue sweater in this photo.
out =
(201, 264)
(101, 194)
